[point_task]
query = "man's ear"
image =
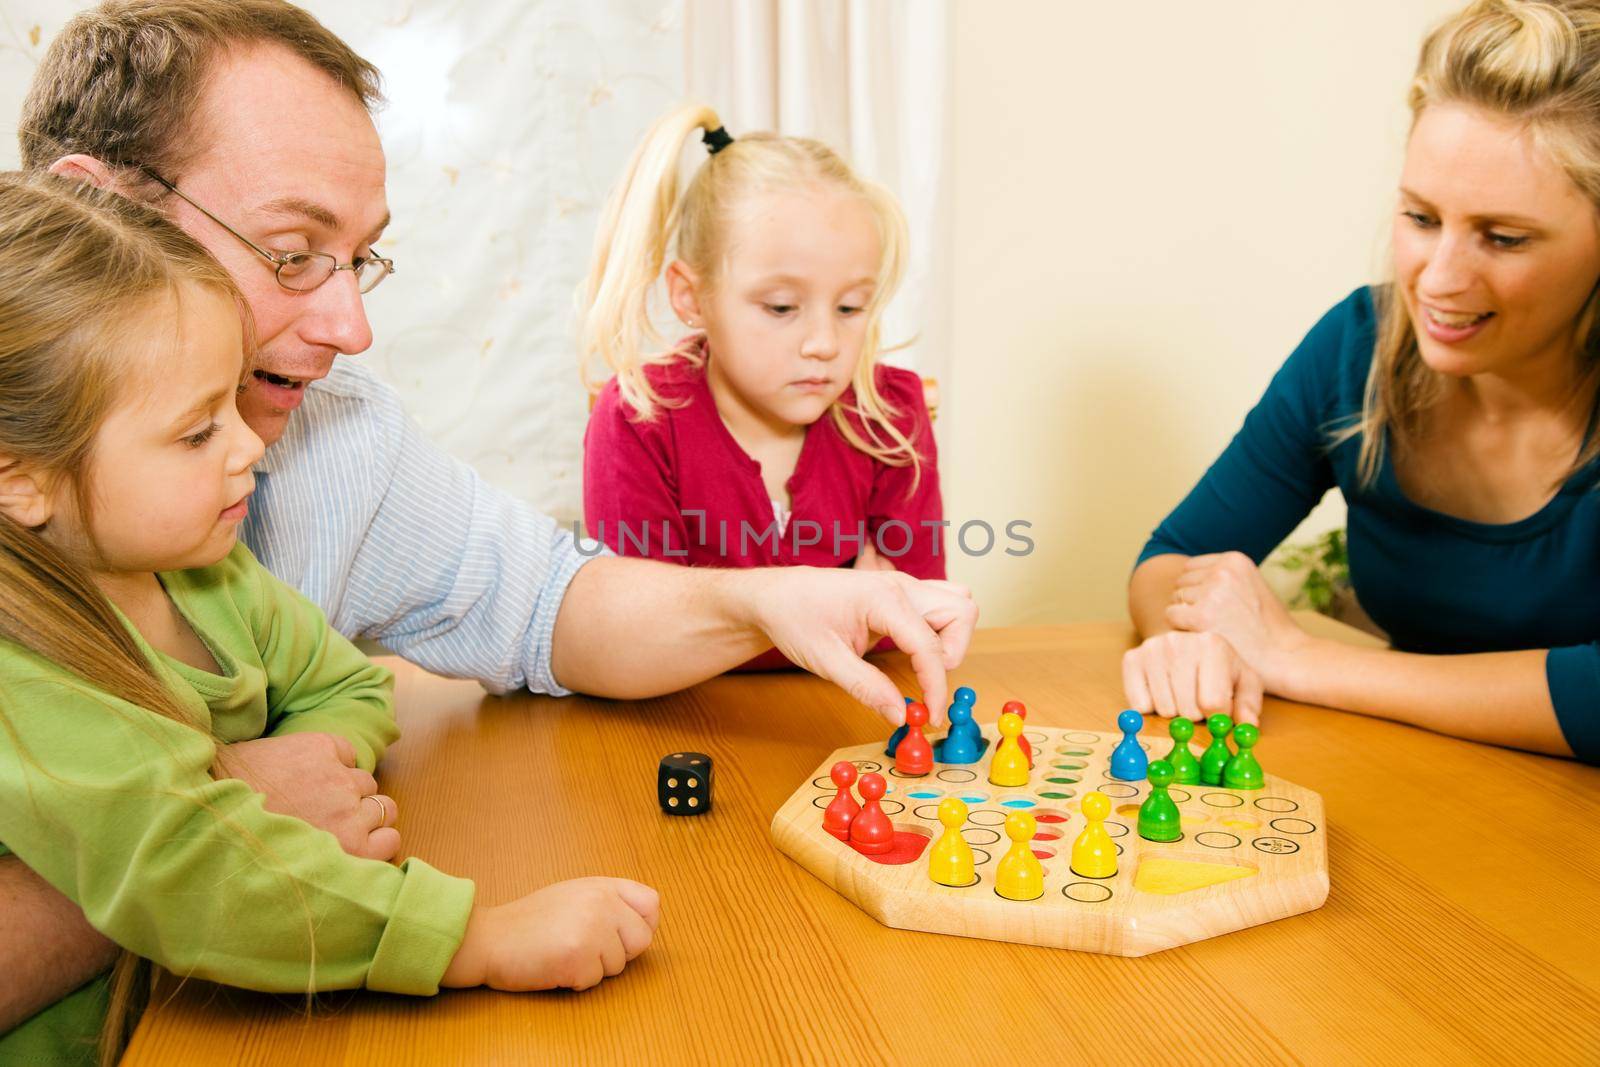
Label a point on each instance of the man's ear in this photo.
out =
(683, 291)
(85, 168)
(23, 496)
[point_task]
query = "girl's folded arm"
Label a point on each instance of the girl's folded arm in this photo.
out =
(114, 806)
(317, 681)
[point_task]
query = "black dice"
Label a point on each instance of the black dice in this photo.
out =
(683, 783)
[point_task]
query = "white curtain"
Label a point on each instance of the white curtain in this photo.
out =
(869, 78)
(507, 124)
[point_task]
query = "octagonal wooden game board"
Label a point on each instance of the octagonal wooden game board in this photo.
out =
(1246, 857)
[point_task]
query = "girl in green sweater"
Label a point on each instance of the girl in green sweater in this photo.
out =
(136, 636)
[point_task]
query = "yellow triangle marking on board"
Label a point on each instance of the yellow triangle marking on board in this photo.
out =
(1159, 874)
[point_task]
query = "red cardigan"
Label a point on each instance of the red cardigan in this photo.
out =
(680, 488)
(645, 482)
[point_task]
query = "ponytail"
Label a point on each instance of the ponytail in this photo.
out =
(637, 230)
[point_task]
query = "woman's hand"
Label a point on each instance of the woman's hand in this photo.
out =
(870, 560)
(1193, 675)
(1224, 594)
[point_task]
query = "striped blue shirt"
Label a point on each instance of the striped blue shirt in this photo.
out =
(402, 544)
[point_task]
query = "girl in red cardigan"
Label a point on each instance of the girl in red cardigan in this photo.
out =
(771, 434)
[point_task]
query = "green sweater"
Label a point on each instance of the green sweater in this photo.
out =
(115, 806)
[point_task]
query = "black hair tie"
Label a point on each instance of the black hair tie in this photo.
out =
(716, 140)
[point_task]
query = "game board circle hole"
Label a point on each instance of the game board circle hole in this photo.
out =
(1222, 800)
(1217, 839)
(1293, 826)
(1128, 810)
(1017, 802)
(1059, 794)
(980, 835)
(1242, 823)
(1062, 779)
(1068, 750)
(1277, 846)
(865, 765)
(975, 880)
(1002, 896)
(957, 776)
(1116, 829)
(989, 817)
(973, 798)
(1043, 853)
(1086, 892)
(926, 811)
(1068, 764)
(980, 857)
(923, 792)
(1180, 795)
(1051, 815)
(1279, 804)
(1081, 737)
(822, 802)
(1046, 834)
(1121, 790)
(824, 782)
(1036, 737)
(896, 773)
(891, 807)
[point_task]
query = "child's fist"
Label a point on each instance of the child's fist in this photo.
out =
(569, 935)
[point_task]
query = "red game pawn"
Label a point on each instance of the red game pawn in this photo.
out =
(914, 756)
(871, 832)
(1016, 708)
(841, 811)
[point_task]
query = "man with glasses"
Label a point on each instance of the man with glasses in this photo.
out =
(248, 123)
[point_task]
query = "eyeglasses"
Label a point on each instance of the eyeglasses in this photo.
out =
(299, 272)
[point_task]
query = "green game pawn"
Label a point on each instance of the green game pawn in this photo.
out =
(1242, 771)
(1158, 815)
(1217, 756)
(1185, 768)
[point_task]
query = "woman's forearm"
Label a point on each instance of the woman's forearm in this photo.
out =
(1150, 591)
(1501, 698)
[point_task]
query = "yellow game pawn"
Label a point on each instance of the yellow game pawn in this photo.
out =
(1020, 875)
(1094, 854)
(1010, 764)
(950, 861)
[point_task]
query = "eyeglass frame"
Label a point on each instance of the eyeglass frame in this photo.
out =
(280, 260)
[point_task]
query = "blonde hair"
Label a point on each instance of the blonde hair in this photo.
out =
(122, 81)
(646, 220)
(1535, 63)
(76, 264)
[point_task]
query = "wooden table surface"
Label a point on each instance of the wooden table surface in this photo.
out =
(1461, 925)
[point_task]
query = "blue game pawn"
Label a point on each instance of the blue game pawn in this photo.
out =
(964, 744)
(899, 733)
(1128, 760)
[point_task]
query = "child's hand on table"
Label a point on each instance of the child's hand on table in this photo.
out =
(569, 935)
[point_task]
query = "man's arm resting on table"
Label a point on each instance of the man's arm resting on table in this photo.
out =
(632, 628)
(47, 947)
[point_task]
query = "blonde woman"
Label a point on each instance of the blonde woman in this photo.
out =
(1454, 408)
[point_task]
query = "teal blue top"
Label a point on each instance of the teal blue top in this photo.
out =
(1435, 583)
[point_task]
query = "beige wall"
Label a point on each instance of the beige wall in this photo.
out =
(1152, 203)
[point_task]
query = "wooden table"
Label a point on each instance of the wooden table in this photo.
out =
(1462, 923)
